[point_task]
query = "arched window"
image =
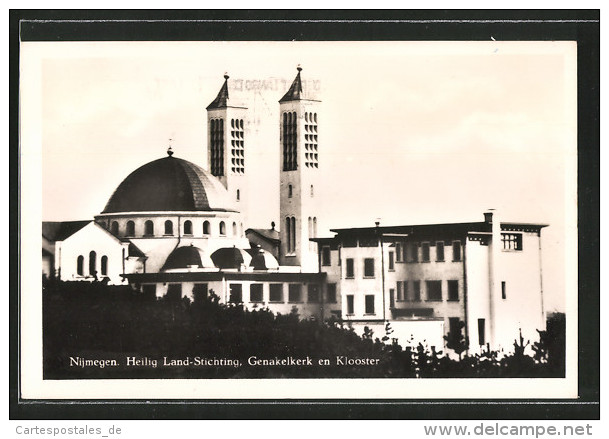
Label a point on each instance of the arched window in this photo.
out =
(206, 228)
(314, 227)
(289, 191)
(234, 229)
(290, 229)
(104, 265)
(168, 227)
(80, 262)
(187, 227)
(222, 228)
(293, 227)
(92, 263)
(114, 228)
(130, 228)
(238, 195)
(149, 228)
(288, 235)
(240, 229)
(312, 191)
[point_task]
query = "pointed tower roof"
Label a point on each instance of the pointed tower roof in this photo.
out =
(221, 100)
(295, 92)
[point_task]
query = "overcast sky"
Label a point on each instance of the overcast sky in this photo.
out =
(409, 132)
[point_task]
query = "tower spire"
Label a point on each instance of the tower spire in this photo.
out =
(295, 92)
(221, 100)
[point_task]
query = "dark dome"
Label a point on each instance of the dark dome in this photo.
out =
(169, 184)
(230, 257)
(185, 257)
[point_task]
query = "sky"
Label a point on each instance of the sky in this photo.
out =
(410, 132)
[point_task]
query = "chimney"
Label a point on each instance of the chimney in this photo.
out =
(488, 216)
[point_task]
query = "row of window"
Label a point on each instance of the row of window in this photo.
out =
(289, 141)
(368, 304)
(80, 265)
(291, 191)
(411, 291)
(410, 252)
(216, 147)
(237, 146)
(454, 325)
(168, 228)
(350, 268)
(256, 292)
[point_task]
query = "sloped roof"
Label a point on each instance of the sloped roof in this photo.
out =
(295, 92)
(221, 100)
(271, 235)
(60, 230)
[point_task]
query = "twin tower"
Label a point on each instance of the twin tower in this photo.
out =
(299, 166)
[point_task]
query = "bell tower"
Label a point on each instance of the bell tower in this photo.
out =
(226, 126)
(299, 174)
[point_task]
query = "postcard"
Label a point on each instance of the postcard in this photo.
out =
(321, 219)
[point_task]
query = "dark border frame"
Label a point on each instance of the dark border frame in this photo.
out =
(582, 26)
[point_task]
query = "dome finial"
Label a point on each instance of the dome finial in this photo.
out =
(226, 75)
(170, 149)
(299, 68)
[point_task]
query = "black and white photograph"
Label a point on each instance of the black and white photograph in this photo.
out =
(322, 219)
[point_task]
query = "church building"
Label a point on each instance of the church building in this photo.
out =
(175, 229)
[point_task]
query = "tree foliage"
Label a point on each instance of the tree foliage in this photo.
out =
(97, 321)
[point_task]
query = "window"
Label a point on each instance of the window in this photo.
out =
(391, 297)
(276, 293)
(168, 227)
(80, 262)
(425, 251)
(456, 251)
(481, 335)
(398, 252)
(350, 304)
(236, 293)
(434, 290)
(130, 228)
(503, 290)
(325, 255)
(92, 264)
(295, 293)
(199, 292)
(256, 293)
(349, 268)
(206, 228)
(290, 228)
(174, 292)
(312, 191)
(222, 228)
(440, 251)
(400, 286)
(313, 293)
(453, 290)
(369, 304)
(289, 141)
(290, 191)
(216, 137)
(414, 252)
(238, 195)
(391, 261)
(237, 147)
(187, 227)
(511, 241)
(331, 293)
(235, 229)
(416, 291)
(454, 327)
(104, 265)
(149, 291)
(114, 228)
(368, 267)
(149, 228)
